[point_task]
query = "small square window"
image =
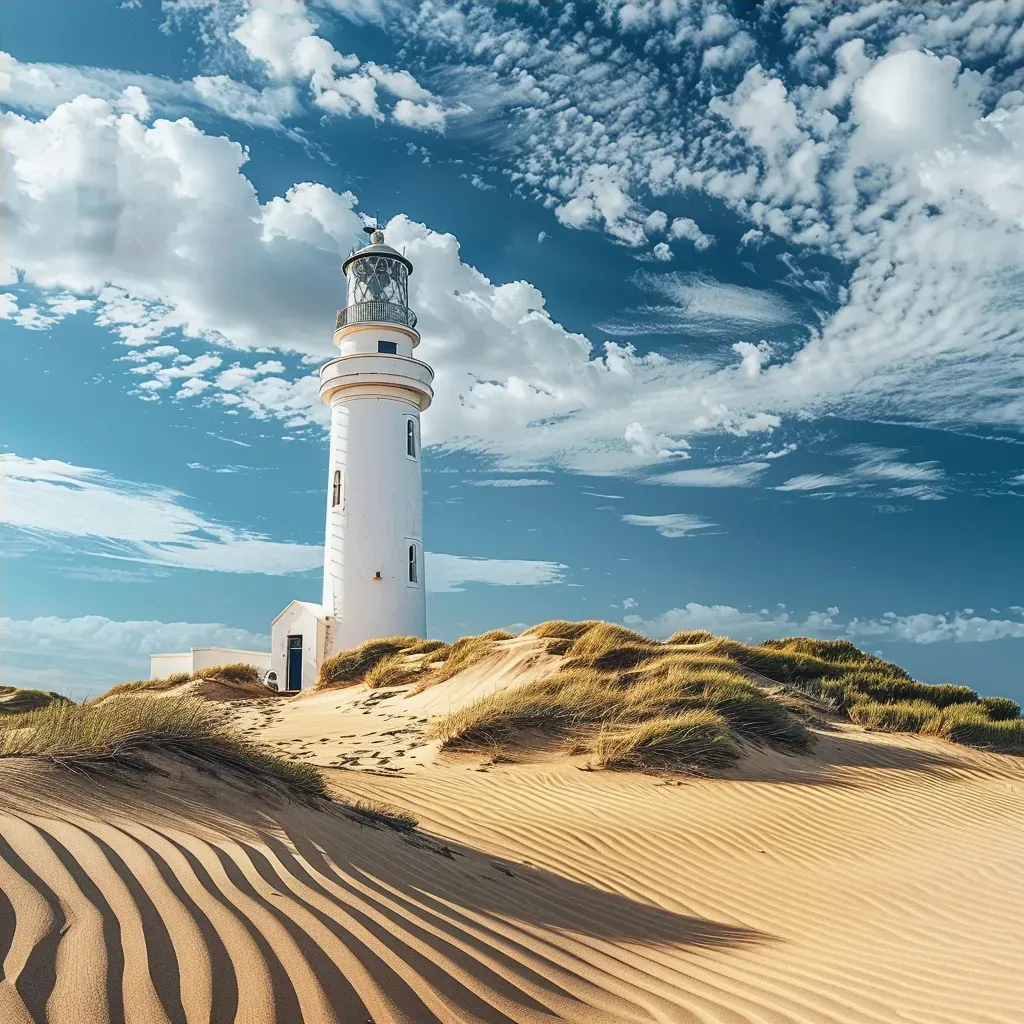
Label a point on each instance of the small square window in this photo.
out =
(391, 347)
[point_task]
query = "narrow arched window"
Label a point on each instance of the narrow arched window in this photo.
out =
(336, 489)
(413, 574)
(410, 438)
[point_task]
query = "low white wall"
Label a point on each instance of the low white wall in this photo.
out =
(163, 665)
(207, 657)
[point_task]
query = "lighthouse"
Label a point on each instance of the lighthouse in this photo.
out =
(376, 390)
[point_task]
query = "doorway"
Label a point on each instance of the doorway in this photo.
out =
(293, 675)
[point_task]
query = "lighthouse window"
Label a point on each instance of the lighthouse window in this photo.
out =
(336, 489)
(413, 574)
(410, 438)
(391, 347)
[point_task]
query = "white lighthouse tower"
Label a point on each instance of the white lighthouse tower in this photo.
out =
(373, 551)
(376, 390)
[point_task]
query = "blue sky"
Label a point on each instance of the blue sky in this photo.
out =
(726, 304)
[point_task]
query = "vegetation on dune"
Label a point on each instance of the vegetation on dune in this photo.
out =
(350, 666)
(392, 671)
(374, 812)
(698, 740)
(15, 701)
(236, 674)
(622, 682)
(118, 730)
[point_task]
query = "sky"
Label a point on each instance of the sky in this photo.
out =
(725, 304)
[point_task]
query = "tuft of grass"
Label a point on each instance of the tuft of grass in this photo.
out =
(497, 634)
(349, 666)
(690, 636)
(150, 685)
(435, 647)
(602, 638)
(901, 716)
(693, 740)
(466, 651)
(117, 731)
(1000, 709)
(1004, 735)
(393, 671)
(376, 813)
(572, 697)
(237, 672)
(561, 629)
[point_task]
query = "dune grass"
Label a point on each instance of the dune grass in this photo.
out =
(376, 813)
(239, 673)
(117, 731)
(697, 741)
(392, 671)
(15, 701)
(620, 681)
(350, 666)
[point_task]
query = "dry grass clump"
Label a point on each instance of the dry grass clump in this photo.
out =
(573, 697)
(376, 813)
(150, 685)
(1000, 709)
(601, 638)
(466, 651)
(436, 647)
(116, 732)
(393, 671)
(690, 636)
(695, 740)
(900, 716)
(561, 629)
(237, 672)
(349, 666)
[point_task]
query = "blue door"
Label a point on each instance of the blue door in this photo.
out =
(294, 674)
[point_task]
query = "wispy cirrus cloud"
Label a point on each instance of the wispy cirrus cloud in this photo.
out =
(673, 524)
(741, 474)
(74, 510)
(876, 468)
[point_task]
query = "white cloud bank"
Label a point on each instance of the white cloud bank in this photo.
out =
(84, 655)
(81, 511)
(922, 628)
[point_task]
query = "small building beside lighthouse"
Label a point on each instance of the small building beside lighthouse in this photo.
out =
(376, 390)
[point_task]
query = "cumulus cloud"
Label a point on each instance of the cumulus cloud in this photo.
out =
(684, 227)
(920, 628)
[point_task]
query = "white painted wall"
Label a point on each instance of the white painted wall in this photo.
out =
(163, 665)
(298, 619)
(379, 517)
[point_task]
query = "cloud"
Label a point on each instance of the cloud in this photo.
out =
(684, 227)
(80, 511)
(920, 628)
(675, 524)
(449, 573)
(50, 652)
(876, 467)
(519, 481)
(743, 474)
(698, 304)
(90, 512)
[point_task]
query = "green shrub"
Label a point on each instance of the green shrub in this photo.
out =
(695, 740)
(1000, 709)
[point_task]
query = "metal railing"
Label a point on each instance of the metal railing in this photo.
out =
(376, 313)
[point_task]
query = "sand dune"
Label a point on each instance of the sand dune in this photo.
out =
(876, 880)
